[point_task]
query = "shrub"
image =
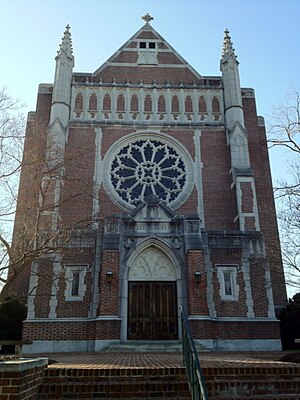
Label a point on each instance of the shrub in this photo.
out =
(290, 323)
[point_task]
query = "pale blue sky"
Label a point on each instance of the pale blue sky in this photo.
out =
(265, 34)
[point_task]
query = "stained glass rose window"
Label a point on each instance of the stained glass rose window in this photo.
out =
(147, 166)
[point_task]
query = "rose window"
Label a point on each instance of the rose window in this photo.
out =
(147, 167)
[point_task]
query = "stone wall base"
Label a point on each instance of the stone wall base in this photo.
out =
(239, 345)
(48, 346)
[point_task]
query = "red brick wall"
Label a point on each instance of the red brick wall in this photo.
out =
(219, 199)
(258, 286)
(126, 57)
(112, 134)
(247, 197)
(107, 206)
(234, 330)
(43, 289)
(197, 300)
(77, 191)
(109, 293)
(85, 330)
(259, 160)
(147, 35)
(228, 308)
(147, 74)
(168, 58)
(59, 330)
(190, 206)
(73, 309)
(107, 330)
(250, 224)
(33, 162)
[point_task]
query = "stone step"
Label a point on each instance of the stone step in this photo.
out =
(133, 346)
(162, 346)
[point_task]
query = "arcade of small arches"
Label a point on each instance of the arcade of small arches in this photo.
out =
(95, 104)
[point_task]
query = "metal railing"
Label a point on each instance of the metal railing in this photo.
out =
(191, 361)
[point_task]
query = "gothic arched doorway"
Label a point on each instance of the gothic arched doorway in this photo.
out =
(152, 297)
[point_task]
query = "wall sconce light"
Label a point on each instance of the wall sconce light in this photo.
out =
(109, 276)
(197, 277)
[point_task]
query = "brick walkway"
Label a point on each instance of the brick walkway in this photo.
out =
(162, 360)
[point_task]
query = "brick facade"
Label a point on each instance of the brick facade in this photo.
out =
(149, 173)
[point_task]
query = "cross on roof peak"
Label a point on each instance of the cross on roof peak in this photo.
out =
(147, 18)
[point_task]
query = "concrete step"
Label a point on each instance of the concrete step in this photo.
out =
(133, 346)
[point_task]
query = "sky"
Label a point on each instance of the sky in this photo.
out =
(265, 35)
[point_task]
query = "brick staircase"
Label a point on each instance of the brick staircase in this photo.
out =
(255, 383)
(133, 383)
(152, 376)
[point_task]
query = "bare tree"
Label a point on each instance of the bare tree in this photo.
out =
(11, 146)
(12, 128)
(38, 229)
(285, 132)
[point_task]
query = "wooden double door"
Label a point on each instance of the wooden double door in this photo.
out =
(152, 311)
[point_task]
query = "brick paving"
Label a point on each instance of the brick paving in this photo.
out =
(112, 360)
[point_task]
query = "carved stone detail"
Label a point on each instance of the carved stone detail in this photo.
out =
(151, 265)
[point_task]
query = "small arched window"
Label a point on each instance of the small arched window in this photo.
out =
(93, 102)
(188, 104)
(107, 102)
(148, 104)
(134, 103)
(215, 105)
(79, 102)
(175, 104)
(121, 103)
(161, 105)
(202, 105)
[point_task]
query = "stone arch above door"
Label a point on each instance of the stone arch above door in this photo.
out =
(151, 264)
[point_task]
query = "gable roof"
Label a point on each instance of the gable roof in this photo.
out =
(135, 63)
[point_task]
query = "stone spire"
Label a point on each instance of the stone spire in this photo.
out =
(234, 114)
(61, 98)
(231, 84)
(237, 139)
(228, 50)
(66, 44)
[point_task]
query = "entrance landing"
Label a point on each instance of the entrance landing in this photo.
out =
(168, 359)
(132, 376)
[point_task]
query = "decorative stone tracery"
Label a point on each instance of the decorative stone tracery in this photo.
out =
(147, 167)
(151, 265)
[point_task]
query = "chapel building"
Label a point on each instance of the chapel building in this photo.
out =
(146, 186)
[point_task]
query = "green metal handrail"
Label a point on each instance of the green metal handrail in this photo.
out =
(191, 361)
